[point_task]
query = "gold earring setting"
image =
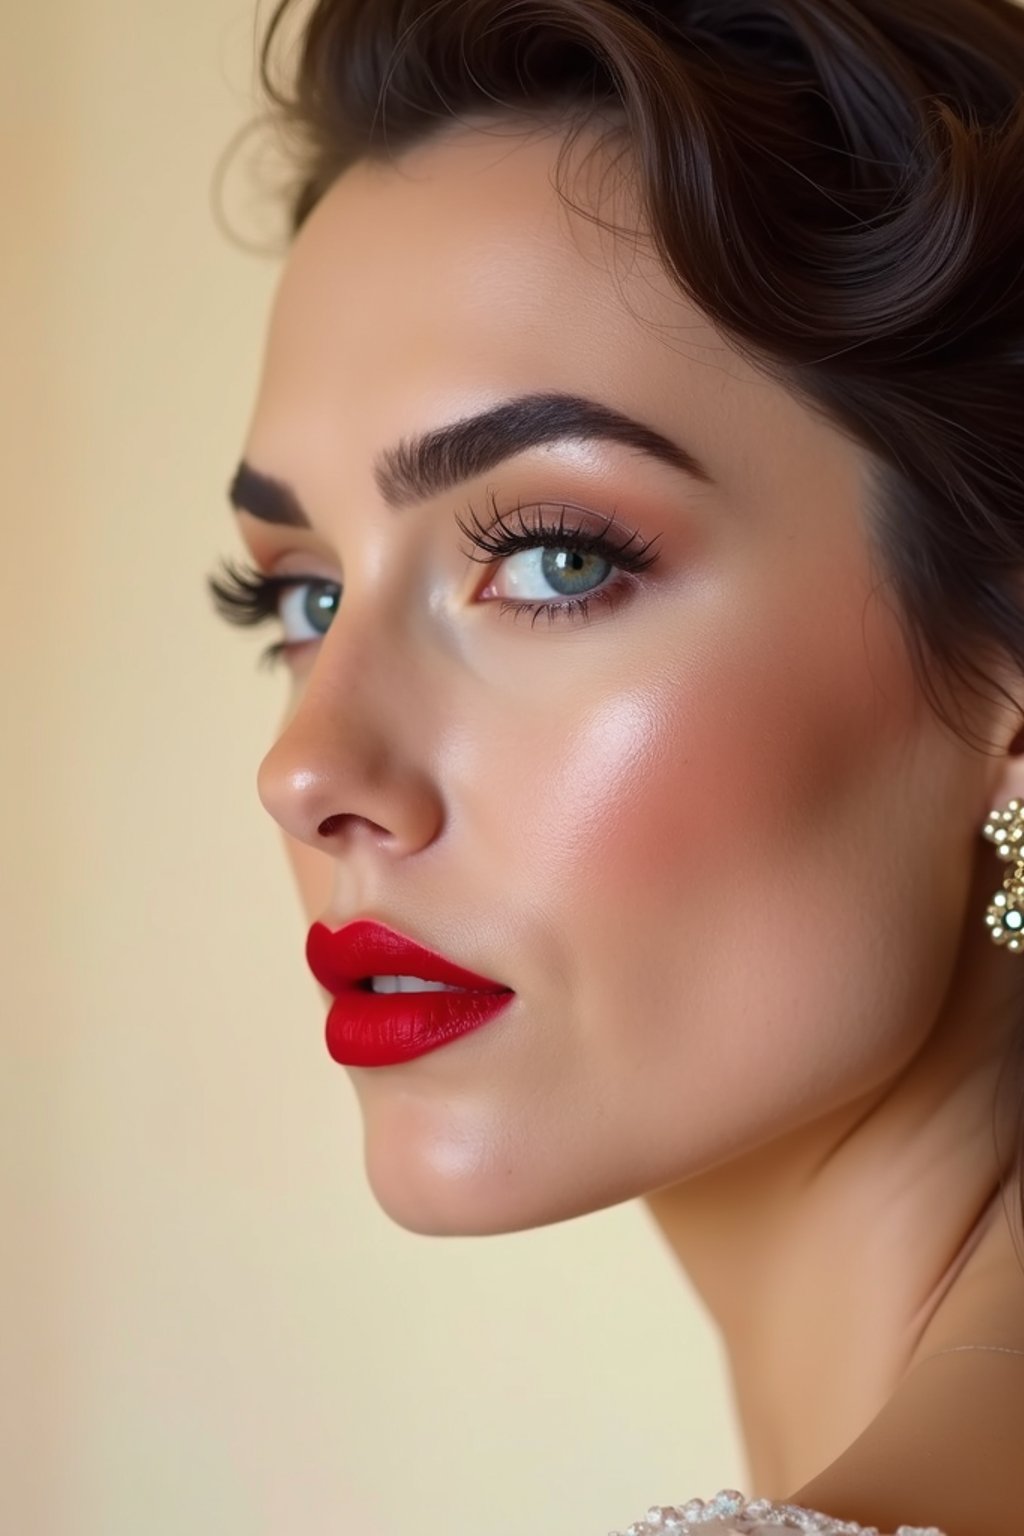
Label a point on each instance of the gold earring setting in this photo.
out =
(1005, 916)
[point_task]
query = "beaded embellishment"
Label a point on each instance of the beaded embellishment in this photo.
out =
(749, 1515)
(1005, 915)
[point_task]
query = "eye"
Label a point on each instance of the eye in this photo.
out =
(309, 603)
(541, 559)
(541, 573)
(305, 605)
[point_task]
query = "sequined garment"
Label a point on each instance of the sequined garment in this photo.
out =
(729, 1513)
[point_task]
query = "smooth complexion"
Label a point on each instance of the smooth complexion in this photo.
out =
(714, 838)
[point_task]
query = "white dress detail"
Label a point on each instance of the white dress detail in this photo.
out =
(729, 1513)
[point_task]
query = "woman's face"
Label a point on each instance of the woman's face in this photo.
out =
(708, 831)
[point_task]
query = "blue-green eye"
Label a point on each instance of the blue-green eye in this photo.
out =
(311, 602)
(246, 596)
(574, 561)
(539, 573)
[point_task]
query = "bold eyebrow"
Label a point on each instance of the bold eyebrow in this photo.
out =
(420, 467)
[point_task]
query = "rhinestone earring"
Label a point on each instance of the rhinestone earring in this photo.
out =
(1005, 916)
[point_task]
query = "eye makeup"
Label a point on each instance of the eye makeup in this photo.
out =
(243, 595)
(246, 596)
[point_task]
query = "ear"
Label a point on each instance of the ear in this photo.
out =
(1003, 736)
(1007, 780)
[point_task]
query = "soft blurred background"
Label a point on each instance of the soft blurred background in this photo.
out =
(208, 1326)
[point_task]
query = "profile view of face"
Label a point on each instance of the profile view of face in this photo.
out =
(666, 818)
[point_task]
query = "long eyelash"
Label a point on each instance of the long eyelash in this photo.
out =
(495, 544)
(249, 597)
(565, 611)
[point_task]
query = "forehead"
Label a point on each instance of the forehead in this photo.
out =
(425, 290)
(463, 254)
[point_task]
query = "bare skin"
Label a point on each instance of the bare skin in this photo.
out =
(714, 837)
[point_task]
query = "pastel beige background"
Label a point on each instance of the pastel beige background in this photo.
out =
(208, 1326)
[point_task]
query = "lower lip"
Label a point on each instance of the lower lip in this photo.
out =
(379, 1029)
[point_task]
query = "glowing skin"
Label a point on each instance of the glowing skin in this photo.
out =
(714, 838)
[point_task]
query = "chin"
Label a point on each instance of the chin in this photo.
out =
(471, 1187)
(446, 1193)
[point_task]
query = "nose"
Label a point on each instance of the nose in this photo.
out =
(352, 762)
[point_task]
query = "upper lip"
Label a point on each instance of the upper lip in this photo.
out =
(364, 948)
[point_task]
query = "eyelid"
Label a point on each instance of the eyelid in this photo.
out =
(298, 565)
(594, 521)
(499, 539)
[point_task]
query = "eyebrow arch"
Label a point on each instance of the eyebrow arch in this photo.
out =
(421, 467)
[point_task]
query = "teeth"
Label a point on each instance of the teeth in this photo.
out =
(410, 984)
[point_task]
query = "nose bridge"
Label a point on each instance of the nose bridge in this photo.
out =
(358, 742)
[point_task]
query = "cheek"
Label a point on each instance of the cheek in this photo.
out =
(712, 851)
(709, 782)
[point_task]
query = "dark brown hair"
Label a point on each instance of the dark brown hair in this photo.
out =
(837, 184)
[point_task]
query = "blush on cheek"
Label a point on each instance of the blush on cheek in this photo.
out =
(669, 787)
(639, 791)
(703, 781)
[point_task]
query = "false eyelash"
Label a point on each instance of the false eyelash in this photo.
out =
(248, 597)
(581, 540)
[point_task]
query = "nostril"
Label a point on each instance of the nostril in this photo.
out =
(331, 824)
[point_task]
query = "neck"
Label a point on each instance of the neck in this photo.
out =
(839, 1256)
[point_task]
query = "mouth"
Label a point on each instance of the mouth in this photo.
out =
(394, 999)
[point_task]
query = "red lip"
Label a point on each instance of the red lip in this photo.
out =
(366, 1028)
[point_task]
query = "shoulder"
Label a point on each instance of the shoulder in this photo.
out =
(944, 1451)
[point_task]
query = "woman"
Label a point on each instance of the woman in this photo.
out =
(637, 476)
